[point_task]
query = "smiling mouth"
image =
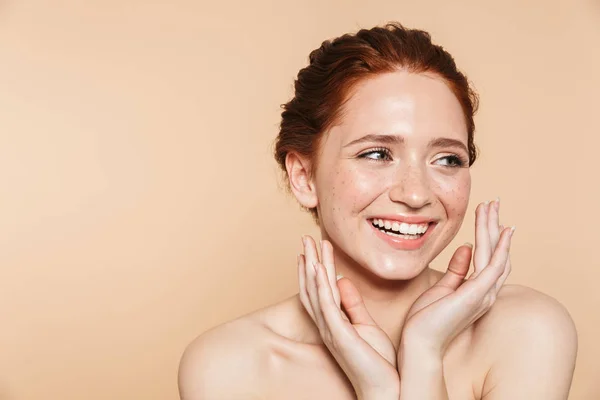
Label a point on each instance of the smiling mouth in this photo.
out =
(401, 230)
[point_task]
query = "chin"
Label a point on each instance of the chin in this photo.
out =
(400, 268)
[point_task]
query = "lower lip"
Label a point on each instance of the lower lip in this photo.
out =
(400, 243)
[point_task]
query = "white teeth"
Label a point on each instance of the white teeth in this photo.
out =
(409, 237)
(401, 228)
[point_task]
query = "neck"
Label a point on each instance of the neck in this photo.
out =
(388, 301)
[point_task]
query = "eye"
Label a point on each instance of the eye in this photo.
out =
(380, 154)
(453, 161)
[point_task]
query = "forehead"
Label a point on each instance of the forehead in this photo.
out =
(415, 106)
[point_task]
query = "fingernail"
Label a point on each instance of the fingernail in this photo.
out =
(512, 230)
(339, 276)
(468, 244)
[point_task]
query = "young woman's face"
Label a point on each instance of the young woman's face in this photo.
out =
(395, 165)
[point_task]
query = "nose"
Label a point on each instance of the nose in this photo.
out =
(411, 187)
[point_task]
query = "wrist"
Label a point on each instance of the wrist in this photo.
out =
(415, 343)
(422, 374)
(381, 396)
(388, 393)
(420, 356)
(420, 365)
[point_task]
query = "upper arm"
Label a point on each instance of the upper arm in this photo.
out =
(218, 366)
(536, 350)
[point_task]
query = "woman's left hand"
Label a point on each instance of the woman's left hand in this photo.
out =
(453, 303)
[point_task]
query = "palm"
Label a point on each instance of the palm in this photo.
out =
(429, 297)
(378, 340)
(356, 314)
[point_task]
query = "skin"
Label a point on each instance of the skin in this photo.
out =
(392, 327)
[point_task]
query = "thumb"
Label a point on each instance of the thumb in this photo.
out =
(458, 267)
(353, 303)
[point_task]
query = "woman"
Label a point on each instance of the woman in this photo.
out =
(377, 143)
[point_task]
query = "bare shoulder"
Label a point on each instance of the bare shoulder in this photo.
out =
(224, 362)
(236, 360)
(526, 310)
(527, 338)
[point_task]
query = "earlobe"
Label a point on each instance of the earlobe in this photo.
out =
(301, 181)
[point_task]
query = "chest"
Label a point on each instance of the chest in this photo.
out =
(318, 376)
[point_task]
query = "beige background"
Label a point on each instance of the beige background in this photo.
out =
(139, 202)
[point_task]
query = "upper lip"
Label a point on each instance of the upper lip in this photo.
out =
(409, 219)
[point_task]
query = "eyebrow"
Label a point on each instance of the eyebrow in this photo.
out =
(396, 139)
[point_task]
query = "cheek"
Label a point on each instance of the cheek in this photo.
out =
(352, 189)
(454, 194)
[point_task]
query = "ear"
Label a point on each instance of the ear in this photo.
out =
(301, 183)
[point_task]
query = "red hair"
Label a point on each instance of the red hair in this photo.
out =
(323, 86)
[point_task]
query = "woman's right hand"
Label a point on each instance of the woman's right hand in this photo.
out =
(362, 349)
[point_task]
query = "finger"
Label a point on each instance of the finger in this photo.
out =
(483, 251)
(311, 258)
(507, 270)
(327, 261)
(488, 277)
(302, 283)
(315, 301)
(353, 303)
(494, 222)
(504, 276)
(458, 267)
(330, 312)
(310, 251)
